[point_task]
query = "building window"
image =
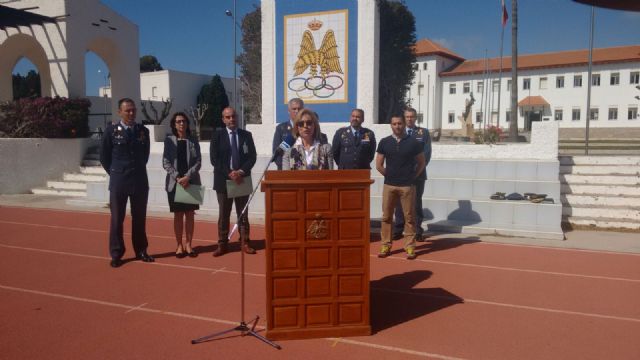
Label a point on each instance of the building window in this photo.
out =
(557, 116)
(526, 84)
(420, 118)
(466, 87)
(154, 91)
(632, 113)
(452, 118)
(593, 114)
(480, 87)
(452, 88)
(479, 117)
(420, 89)
(496, 84)
(543, 83)
(595, 80)
(634, 77)
(577, 80)
(575, 114)
(414, 66)
(508, 85)
(613, 113)
(507, 115)
(424, 66)
(615, 79)
(559, 82)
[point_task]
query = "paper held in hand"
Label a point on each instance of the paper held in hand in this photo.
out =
(237, 190)
(193, 194)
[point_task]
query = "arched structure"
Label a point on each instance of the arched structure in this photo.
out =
(58, 48)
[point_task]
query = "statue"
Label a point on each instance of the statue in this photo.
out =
(467, 119)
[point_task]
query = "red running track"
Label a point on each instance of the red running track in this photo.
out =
(461, 299)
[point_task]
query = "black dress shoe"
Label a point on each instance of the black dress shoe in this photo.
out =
(221, 250)
(145, 257)
(116, 263)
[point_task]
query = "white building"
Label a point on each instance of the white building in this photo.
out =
(179, 86)
(552, 87)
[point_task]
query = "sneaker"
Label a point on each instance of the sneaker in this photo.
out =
(411, 254)
(384, 251)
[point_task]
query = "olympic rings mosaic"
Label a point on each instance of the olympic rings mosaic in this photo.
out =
(315, 86)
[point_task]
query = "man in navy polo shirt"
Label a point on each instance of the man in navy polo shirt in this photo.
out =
(400, 160)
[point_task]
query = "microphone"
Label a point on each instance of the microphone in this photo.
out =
(284, 146)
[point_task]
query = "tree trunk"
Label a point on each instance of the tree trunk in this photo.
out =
(513, 124)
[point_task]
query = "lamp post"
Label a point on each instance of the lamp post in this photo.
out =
(104, 95)
(232, 15)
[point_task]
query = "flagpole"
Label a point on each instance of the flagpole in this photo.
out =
(500, 74)
(502, 23)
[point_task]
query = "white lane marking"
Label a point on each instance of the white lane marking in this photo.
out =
(381, 289)
(609, 252)
(93, 230)
(135, 308)
(393, 348)
(222, 270)
(215, 320)
(494, 303)
(392, 257)
(116, 305)
(218, 270)
(514, 269)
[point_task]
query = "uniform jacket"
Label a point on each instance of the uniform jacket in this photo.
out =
(124, 157)
(278, 137)
(295, 159)
(220, 155)
(423, 137)
(352, 153)
(170, 161)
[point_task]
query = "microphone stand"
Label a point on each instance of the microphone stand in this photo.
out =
(243, 327)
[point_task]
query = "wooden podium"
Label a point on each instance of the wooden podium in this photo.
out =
(317, 248)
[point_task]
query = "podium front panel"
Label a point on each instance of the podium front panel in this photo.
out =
(317, 248)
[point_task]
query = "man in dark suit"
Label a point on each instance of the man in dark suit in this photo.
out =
(284, 128)
(422, 135)
(124, 155)
(354, 146)
(233, 155)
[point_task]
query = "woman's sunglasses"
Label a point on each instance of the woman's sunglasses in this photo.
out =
(305, 123)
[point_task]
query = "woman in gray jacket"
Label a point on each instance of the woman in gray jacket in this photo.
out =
(182, 160)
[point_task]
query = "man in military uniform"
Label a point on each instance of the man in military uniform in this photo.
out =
(423, 137)
(124, 155)
(354, 146)
(295, 105)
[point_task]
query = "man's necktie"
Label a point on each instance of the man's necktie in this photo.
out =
(356, 134)
(235, 153)
(130, 133)
(410, 132)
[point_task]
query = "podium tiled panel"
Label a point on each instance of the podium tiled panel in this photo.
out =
(317, 229)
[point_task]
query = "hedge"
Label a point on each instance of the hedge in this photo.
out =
(45, 117)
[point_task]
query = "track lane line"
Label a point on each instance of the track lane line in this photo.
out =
(464, 300)
(215, 320)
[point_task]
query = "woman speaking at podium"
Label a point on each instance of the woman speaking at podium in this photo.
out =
(307, 153)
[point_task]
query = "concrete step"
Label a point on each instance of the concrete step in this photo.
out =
(599, 160)
(601, 152)
(98, 170)
(88, 163)
(583, 200)
(600, 179)
(617, 212)
(600, 169)
(603, 223)
(82, 177)
(600, 141)
(58, 192)
(92, 156)
(610, 190)
(67, 185)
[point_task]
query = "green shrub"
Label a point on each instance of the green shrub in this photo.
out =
(45, 117)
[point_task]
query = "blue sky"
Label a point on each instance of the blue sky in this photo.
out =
(197, 36)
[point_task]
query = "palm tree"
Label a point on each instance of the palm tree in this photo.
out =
(513, 124)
